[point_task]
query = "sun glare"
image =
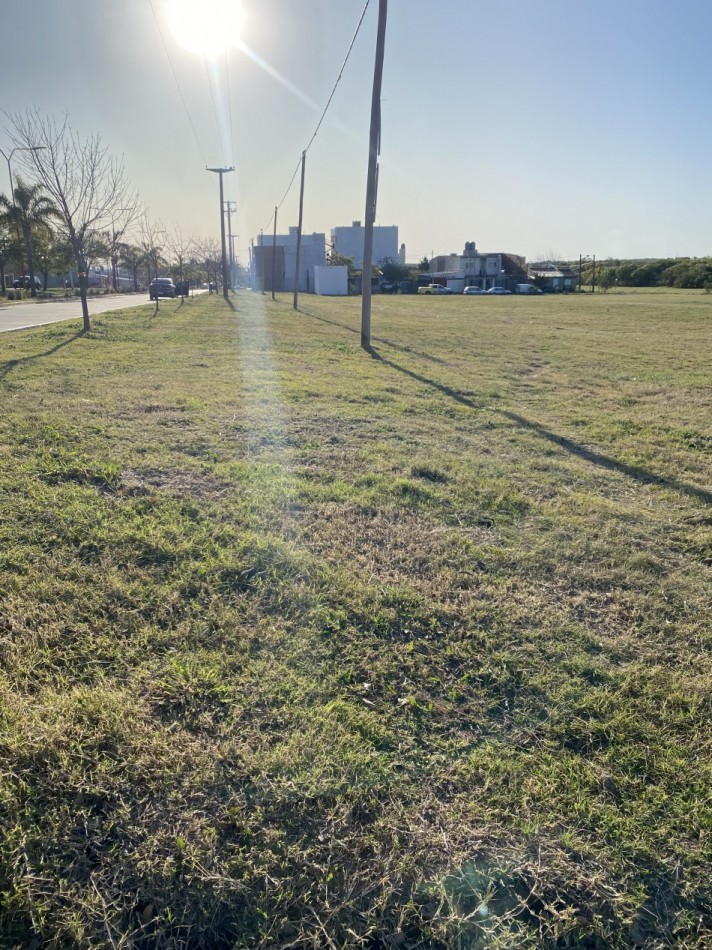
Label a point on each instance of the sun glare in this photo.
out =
(207, 27)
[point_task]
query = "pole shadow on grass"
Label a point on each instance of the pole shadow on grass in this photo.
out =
(378, 339)
(635, 472)
(9, 365)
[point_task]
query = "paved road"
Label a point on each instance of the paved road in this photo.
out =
(20, 316)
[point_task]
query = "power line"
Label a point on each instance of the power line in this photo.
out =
(215, 107)
(326, 108)
(175, 77)
(229, 105)
(289, 188)
(341, 73)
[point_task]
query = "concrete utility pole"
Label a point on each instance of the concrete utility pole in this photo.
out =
(221, 172)
(299, 236)
(372, 178)
(230, 209)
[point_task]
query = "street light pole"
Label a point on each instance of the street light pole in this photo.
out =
(221, 172)
(8, 158)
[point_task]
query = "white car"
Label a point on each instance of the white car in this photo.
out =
(498, 290)
(473, 291)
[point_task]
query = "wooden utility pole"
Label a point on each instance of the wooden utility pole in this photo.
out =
(299, 236)
(274, 249)
(374, 150)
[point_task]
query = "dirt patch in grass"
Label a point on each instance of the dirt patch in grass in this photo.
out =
(181, 482)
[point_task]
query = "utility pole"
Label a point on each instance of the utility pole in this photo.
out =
(274, 249)
(299, 236)
(221, 172)
(593, 276)
(230, 209)
(372, 177)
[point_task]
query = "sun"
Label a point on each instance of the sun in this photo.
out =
(207, 27)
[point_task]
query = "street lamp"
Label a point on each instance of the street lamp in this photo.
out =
(8, 158)
(221, 172)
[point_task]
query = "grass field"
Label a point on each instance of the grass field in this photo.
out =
(302, 647)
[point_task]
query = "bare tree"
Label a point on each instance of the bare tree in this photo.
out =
(209, 254)
(179, 248)
(85, 183)
(152, 240)
(122, 220)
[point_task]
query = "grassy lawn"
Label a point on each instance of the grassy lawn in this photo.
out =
(302, 647)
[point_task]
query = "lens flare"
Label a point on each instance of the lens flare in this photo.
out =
(206, 27)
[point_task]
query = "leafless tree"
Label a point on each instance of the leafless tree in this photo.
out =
(179, 248)
(152, 240)
(209, 254)
(122, 220)
(84, 181)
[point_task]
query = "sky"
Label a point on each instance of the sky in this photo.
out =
(549, 130)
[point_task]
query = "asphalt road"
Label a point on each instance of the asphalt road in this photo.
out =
(21, 316)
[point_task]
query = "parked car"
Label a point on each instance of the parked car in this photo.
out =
(473, 291)
(498, 290)
(434, 289)
(18, 283)
(183, 288)
(161, 287)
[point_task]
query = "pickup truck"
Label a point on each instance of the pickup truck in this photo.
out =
(434, 289)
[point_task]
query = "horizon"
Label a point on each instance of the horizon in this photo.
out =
(611, 162)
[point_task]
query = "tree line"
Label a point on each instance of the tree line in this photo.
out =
(682, 272)
(71, 205)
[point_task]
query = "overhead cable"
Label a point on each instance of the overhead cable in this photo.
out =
(326, 108)
(175, 77)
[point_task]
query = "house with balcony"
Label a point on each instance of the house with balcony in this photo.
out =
(475, 268)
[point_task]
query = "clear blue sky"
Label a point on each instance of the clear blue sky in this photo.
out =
(555, 127)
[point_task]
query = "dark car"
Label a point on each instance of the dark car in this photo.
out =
(182, 288)
(18, 283)
(161, 287)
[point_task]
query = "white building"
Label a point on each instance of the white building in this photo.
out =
(312, 254)
(349, 243)
(473, 268)
(331, 281)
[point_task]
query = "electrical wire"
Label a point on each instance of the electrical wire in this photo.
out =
(229, 106)
(215, 106)
(341, 73)
(284, 197)
(326, 108)
(175, 77)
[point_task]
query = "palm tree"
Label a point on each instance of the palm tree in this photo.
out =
(31, 210)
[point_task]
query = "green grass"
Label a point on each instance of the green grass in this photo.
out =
(303, 647)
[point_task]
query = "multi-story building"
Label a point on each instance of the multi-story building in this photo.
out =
(348, 242)
(312, 254)
(473, 268)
